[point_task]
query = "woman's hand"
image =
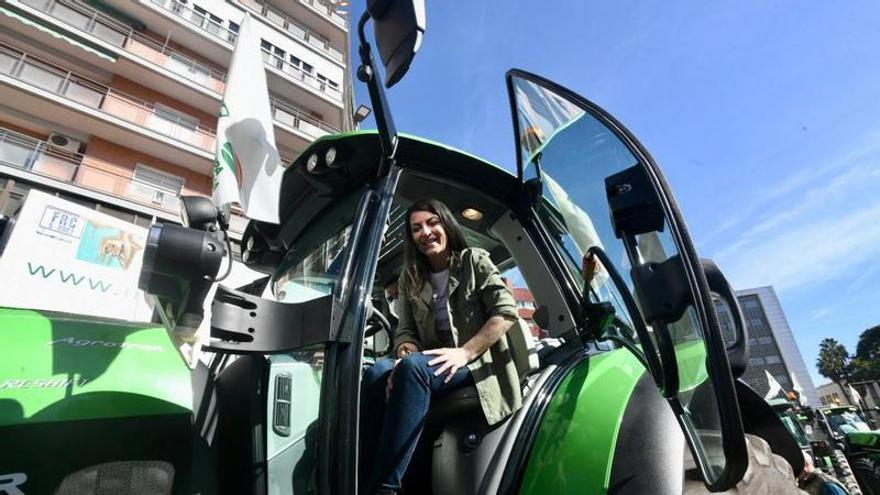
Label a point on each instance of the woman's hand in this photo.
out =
(406, 348)
(451, 358)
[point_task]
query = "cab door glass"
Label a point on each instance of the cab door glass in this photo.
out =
(575, 155)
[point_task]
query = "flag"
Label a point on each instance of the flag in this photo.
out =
(800, 390)
(856, 396)
(247, 168)
(579, 225)
(775, 387)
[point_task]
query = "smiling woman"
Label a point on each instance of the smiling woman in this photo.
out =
(455, 310)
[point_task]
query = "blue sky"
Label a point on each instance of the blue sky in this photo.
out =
(764, 116)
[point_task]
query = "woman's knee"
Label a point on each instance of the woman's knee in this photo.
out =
(378, 370)
(414, 364)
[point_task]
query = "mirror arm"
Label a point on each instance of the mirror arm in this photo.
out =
(366, 73)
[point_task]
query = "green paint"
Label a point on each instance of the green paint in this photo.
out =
(224, 112)
(691, 359)
(62, 367)
(864, 438)
(574, 449)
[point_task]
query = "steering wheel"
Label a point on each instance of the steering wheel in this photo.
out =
(376, 322)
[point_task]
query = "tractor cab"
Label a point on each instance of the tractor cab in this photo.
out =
(621, 371)
(625, 368)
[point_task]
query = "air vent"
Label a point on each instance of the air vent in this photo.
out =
(281, 416)
(60, 141)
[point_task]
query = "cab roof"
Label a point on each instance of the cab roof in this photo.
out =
(305, 194)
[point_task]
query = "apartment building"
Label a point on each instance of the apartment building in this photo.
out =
(113, 103)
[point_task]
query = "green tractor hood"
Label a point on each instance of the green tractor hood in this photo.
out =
(63, 367)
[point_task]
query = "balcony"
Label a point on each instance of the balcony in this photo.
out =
(198, 20)
(109, 30)
(325, 11)
(297, 29)
(227, 37)
(301, 76)
(41, 158)
(290, 116)
(106, 100)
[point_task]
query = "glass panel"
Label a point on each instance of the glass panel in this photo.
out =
(44, 78)
(71, 16)
(17, 152)
(109, 34)
(580, 162)
(7, 62)
(315, 262)
(77, 91)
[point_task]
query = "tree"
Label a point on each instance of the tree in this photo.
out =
(866, 364)
(833, 361)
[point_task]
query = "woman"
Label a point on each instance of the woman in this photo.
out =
(453, 314)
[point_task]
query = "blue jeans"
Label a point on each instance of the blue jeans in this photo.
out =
(390, 431)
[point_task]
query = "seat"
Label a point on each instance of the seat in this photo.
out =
(465, 401)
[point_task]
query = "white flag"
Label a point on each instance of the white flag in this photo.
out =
(856, 396)
(800, 390)
(579, 225)
(775, 387)
(247, 169)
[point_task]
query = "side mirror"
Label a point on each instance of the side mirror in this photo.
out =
(733, 325)
(398, 26)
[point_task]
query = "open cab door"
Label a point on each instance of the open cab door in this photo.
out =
(605, 204)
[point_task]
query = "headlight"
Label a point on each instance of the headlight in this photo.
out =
(179, 267)
(312, 163)
(330, 157)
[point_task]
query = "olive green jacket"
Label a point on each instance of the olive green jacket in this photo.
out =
(476, 293)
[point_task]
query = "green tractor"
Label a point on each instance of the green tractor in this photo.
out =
(825, 456)
(631, 391)
(852, 442)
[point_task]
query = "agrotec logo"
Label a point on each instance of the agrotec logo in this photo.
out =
(68, 277)
(83, 343)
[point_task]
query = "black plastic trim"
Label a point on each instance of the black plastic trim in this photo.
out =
(245, 324)
(646, 460)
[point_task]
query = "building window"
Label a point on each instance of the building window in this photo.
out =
(327, 82)
(156, 187)
(756, 361)
(234, 27)
(209, 21)
(303, 66)
(273, 54)
(765, 340)
(772, 359)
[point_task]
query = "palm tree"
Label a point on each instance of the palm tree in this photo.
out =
(833, 361)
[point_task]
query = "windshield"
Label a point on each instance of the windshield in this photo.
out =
(314, 260)
(791, 423)
(847, 422)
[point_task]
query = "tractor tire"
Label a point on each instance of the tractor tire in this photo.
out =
(844, 473)
(768, 474)
(867, 472)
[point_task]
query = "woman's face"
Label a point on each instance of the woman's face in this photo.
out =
(428, 233)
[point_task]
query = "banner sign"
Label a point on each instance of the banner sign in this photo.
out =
(65, 257)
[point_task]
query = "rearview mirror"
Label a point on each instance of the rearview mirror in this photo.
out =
(730, 318)
(398, 26)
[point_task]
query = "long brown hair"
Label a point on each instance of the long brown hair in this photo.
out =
(417, 266)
